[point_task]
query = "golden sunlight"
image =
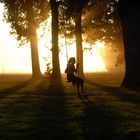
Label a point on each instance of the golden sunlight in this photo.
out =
(18, 60)
(68, 50)
(94, 59)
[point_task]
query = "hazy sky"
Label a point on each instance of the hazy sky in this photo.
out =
(12, 58)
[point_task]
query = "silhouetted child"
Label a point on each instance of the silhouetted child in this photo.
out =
(70, 71)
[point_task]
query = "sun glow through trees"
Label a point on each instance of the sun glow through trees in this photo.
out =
(93, 60)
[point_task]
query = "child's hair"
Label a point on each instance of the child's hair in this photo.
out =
(71, 60)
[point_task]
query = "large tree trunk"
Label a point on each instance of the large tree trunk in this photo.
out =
(34, 56)
(130, 18)
(79, 48)
(36, 73)
(55, 50)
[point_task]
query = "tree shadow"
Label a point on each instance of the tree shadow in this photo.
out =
(49, 114)
(97, 122)
(100, 121)
(52, 119)
(123, 93)
(42, 115)
(13, 89)
(46, 115)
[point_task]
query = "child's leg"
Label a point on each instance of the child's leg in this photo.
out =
(82, 89)
(78, 87)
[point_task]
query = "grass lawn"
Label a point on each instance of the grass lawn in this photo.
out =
(46, 111)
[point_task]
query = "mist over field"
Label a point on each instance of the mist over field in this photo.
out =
(108, 79)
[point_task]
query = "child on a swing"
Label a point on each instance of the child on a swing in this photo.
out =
(70, 71)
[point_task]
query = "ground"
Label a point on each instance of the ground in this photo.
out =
(47, 110)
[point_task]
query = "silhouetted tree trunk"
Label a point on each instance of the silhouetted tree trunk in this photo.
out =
(55, 50)
(79, 48)
(33, 43)
(130, 18)
(34, 56)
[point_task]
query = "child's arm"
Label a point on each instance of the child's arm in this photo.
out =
(66, 70)
(77, 66)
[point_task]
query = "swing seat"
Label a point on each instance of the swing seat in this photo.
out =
(69, 81)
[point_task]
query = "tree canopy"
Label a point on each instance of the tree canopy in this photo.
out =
(102, 21)
(16, 13)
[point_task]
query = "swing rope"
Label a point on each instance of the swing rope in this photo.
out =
(67, 57)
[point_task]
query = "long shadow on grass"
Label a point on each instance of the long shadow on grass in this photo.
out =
(48, 114)
(101, 121)
(13, 89)
(97, 123)
(41, 116)
(131, 96)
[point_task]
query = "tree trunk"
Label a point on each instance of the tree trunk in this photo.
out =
(36, 73)
(130, 18)
(79, 49)
(55, 50)
(34, 56)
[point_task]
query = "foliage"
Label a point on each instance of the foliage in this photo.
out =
(100, 19)
(101, 22)
(16, 13)
(68, 13)
(48, 71)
